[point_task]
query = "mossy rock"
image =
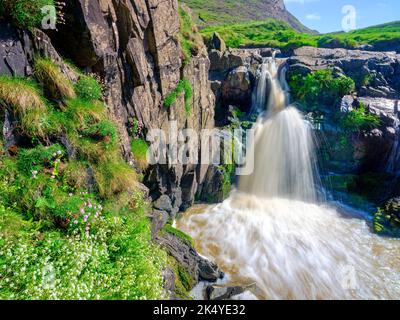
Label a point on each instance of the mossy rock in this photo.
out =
(387, 220)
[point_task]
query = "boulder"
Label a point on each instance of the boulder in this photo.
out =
(186, 256)
(216, 292)
(237, 88)
(163, 203)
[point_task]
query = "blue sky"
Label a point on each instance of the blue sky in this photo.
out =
(326, 15)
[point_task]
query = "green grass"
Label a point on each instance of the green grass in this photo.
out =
(189, 37)
(23, 97)
(218, 12)
(73, 224)
(88, 88)
(139, 151)
(273, 33)
(185, 87)
(25, 14)
(57, 85)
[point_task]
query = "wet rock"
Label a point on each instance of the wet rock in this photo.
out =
(186, 256)
(215, 292)
(237, 87)
(208, 271)
(163, 203)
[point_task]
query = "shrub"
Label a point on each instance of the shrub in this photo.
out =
(139, 150)
(185, 87)
(25, 14)
(88, 89)
(320, 87)
(55, 83)
(359, 119)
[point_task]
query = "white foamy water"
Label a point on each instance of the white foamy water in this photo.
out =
(296, 250)
(274, 232)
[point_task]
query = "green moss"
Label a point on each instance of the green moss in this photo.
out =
(185, 87)
(183, 282)
(180, 234)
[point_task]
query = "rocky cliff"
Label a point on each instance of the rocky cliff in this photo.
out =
(133, 46)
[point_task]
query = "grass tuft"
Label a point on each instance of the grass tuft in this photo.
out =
(55, 83)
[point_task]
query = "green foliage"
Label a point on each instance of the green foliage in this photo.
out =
(106, 131)
(189, 37)
(320, 87)
(71, 228)
(178, 233)
(25, 14)
(185, 87)
(273, 33)
(116, 262)
(139, 150)
(88, 88)
(358, 120)
(36, 159)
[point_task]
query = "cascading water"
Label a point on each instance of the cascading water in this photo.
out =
(274, 232)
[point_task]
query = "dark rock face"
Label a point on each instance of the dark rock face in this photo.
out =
(233, 74)
(372, 149)
(13, 59)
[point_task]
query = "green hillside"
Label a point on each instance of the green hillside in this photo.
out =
(217, 12)
(272, 33)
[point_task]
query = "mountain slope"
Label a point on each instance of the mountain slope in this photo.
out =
(217, 12)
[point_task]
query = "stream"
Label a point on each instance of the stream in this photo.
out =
(278, 231)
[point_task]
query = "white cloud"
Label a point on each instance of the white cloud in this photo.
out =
(313, 16)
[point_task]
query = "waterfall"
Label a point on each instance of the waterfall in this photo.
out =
(273, 232)
(283, 151)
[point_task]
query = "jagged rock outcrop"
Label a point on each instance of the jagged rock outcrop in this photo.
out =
(133, 46)
(376, 74)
